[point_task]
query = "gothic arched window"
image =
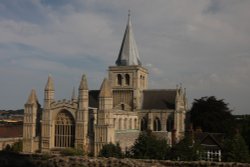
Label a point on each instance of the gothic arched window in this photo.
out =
(120, 124)
(122, 106)
(130, 123)
(170, 124)
(64, 129)
(119, 79)
(127, 79)
(144, 124)
(157, 124)
(135, 123)
(125, 123)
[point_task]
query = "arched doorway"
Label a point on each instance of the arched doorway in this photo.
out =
(64, 129)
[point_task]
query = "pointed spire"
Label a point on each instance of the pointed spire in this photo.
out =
(73, 97)
(50, 83)
(32, 97)
(128, 54)
(105, 90)
(83, 84)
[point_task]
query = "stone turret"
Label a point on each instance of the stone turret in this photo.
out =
(30, 122)
(81, 140)
(180, 112)
(104, 129)
(49, 91)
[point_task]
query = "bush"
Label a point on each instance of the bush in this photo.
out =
(72, 152)
(111, 150)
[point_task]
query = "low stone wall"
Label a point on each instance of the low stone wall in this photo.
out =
(17, 160)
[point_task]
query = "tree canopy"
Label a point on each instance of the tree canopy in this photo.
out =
(235, 149)
(212, 115)
(148, 146)
(186, 150)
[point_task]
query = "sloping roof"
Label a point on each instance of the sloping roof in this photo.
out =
(93, 98)
(159, 99)
(10, 131)
(128, 54)
(209, 139)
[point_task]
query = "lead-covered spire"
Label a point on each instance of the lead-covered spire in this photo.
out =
(128, 54)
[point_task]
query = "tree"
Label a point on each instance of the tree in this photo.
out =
(243, 123)
(17, 146)
(235, 149)
(111, 150)
(212, 115)
(186, 150)
(147, 146)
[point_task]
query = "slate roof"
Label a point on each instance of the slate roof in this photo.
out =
(159, 99)
(209, 139)
(128, 54)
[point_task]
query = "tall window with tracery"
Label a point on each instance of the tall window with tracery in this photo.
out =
(64, 129)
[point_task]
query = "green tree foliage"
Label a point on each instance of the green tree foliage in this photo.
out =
(212, 115)
(243, 123)
(186, 150)
(147, 146)
(235, 149)
(16, 147)
(111, 150)
(72, 152)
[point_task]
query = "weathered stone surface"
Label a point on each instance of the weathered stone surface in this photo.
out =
(17, 160)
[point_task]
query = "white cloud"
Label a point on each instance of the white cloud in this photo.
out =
(203, 44)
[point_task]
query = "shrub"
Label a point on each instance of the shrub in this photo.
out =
(72, 152)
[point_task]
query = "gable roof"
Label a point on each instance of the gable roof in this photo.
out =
(159, 99)
(209, 139)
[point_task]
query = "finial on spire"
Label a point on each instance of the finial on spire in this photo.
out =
(129, 12)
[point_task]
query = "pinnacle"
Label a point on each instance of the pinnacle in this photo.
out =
(32, 97)
(84, 83)
(105, 90)
(50, 84)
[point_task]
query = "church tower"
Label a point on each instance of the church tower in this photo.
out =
(46, 143)
(81, 140)
(104, 129)
(30, 124)
(128, 78)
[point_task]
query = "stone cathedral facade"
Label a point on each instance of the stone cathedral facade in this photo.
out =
(117, 112)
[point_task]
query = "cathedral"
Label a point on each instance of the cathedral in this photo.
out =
(117, 112)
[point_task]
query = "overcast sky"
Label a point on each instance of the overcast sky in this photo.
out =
(203, 44)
